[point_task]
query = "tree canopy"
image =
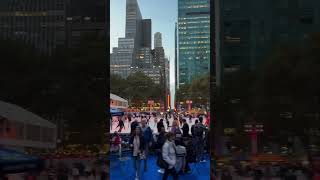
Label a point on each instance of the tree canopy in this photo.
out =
(138, 88)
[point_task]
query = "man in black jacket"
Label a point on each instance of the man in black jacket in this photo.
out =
(185, 128)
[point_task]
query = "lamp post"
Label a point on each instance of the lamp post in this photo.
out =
(253, 129)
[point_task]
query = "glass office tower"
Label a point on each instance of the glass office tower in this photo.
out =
(193, 39)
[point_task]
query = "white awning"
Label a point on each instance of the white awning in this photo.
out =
(117, 98)
(16, 113)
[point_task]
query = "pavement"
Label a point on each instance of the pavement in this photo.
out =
(125, 171)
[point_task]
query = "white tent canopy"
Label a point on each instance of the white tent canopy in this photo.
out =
(117, 98)
(16, 113)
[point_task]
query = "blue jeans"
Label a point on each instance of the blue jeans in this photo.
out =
(136, 163)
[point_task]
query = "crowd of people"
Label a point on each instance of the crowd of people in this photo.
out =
(267, 171)
(172, 143)
(65, 170)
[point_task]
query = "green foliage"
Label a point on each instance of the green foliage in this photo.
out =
(198, 91)
(138, 88)
(286, 82)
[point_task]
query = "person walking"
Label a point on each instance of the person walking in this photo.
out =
(148, 139)
(121, 125)
(185, 128)
(169, 156)
(138, 146)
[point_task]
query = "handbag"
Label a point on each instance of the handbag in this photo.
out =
(162, 163)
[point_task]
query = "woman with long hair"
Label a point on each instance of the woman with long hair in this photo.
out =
(138, 146)
(175, 127)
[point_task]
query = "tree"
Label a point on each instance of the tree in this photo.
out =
(200, 89)
(289, 83)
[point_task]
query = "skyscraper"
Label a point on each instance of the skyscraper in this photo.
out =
(157, 40)
(121, 57)
(193, 39)
(176, 57)
(146, 33)
(247, 31)
(133, 21)
(124, 56)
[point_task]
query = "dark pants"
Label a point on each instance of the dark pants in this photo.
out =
(171, 171)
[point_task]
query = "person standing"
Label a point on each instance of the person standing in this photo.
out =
(192, 127)
(160, 125)
(185, 128)
(155, 120)
(148, 139)
(200, 132)
(137, 144)
(161, 139)
(134, 124)
(117, 143)
(169, 155)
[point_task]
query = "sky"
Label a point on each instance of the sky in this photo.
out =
(163, 14)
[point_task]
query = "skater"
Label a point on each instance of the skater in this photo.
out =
(121, 125)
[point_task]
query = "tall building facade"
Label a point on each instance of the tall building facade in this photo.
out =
(152, 72)
(121, 57)
(146, 33)
(38, 23)
(193, 39)
(248, 31)
(176, 57)
(157, 40)
(84, 17)
(143, 58)
(130, 58)
(133, 21)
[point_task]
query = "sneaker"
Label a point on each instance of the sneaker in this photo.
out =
(161, 171)
(203, 161)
